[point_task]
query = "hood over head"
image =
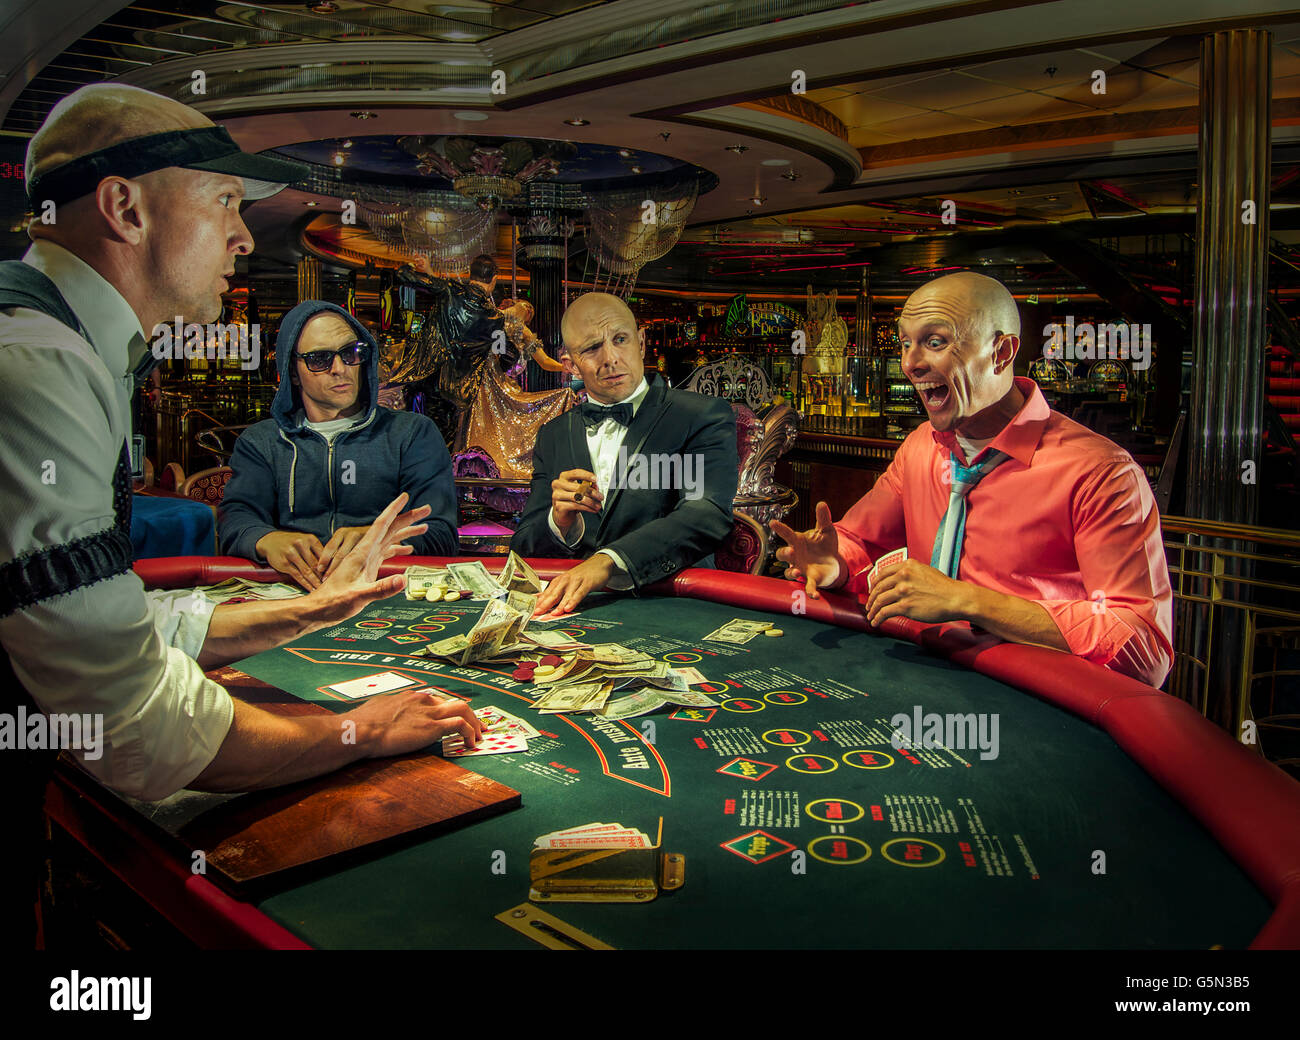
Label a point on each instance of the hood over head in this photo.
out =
(286, 407)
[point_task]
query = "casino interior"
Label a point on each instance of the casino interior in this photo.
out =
(765, 183)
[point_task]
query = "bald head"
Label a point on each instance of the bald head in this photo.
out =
(978, 305)
(604, 345)
(100, 116)
(598, 307)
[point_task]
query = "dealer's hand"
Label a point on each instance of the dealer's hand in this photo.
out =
(570, 496)
(915, 590)
(340, 544)
(814, 556)
(395, 724)
(294, 554)
(354, 582)
(564, 593)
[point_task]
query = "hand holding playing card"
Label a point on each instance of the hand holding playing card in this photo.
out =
(912, 589)
(402, 722)
(813, 556)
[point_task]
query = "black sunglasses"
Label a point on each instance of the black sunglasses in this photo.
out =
(323, 360)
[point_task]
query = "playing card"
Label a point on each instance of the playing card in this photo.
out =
(368, 685)
(888, 560)
(491, 744)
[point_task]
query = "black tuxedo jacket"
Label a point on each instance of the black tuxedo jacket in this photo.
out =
(656, 532)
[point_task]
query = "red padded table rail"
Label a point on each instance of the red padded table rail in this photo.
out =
(1208, 772)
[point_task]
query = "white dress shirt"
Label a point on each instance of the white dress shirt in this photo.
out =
(603, 442)
(109, 648)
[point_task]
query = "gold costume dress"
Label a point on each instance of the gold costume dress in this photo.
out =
(503, 419)
(494, 413)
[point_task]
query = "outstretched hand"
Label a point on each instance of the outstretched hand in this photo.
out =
(812, 557)
(354, 582)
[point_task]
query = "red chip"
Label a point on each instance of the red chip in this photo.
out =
(523, 674)
(552, 660)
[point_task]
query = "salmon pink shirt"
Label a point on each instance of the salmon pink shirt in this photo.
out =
(1067, 522)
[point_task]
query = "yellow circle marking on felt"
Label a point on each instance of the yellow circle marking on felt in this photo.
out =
(866, 849)
(884, 851)
(838, 801)
(787, 743)
(864, 751)
(811, 772)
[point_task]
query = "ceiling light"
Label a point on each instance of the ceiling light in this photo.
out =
(456, 35)
(323, 7)
(309, 203)
(791, 176)
(577, 122)
(739, 149)
(776, 162)
(339, 158)
(469, 116)
(636, 169)
(364, 115)
(625, 153)
(347, 143)
(758, 200)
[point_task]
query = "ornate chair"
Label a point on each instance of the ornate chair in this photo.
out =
(207, 485)
(733, 379)
(760, 443)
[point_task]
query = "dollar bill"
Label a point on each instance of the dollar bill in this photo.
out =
(518, 576)
(426, 578)
(738, 630)
(474, 578)
(577, 697)
(640, 703)
(491, 631)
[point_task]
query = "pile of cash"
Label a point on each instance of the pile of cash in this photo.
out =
(239, 588)
(430, 583)
(570, 676)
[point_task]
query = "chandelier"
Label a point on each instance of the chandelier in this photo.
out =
(488, 175)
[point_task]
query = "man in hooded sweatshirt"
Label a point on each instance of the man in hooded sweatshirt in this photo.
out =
(308, 481)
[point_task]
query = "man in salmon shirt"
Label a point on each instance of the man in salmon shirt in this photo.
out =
(1015, 518)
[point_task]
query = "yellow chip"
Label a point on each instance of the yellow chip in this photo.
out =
(433, 595)
(450, 596)
(415, 592)
(773, 632)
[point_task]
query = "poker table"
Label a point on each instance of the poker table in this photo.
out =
(1105, 814)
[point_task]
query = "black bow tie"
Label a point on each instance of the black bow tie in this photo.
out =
(594, 414)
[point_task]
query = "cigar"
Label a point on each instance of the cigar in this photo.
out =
(583, 487)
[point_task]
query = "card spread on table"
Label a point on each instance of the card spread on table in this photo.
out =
(492, 744)
(368, 685)
(503, 734)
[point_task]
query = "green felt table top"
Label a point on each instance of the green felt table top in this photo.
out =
(801, 823)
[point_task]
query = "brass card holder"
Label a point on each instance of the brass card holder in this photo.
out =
(605, 875)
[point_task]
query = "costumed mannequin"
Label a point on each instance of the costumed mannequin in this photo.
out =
(458, 350)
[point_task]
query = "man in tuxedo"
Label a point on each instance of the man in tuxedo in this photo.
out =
(655, 468)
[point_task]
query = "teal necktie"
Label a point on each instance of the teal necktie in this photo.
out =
(946, 556)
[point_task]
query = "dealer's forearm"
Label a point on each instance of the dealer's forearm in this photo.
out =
(239, 630)
(265, 750)
(1012, 618)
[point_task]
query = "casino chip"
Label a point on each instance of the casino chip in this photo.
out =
(552, 659)
(453, 595)
(773, 632)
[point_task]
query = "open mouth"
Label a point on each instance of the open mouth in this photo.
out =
(935, 395)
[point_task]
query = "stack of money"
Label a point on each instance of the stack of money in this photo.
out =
(430, 583)
(473, 577)
(570, 676)
(517, 576)
(239, 588)
(497, 628)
